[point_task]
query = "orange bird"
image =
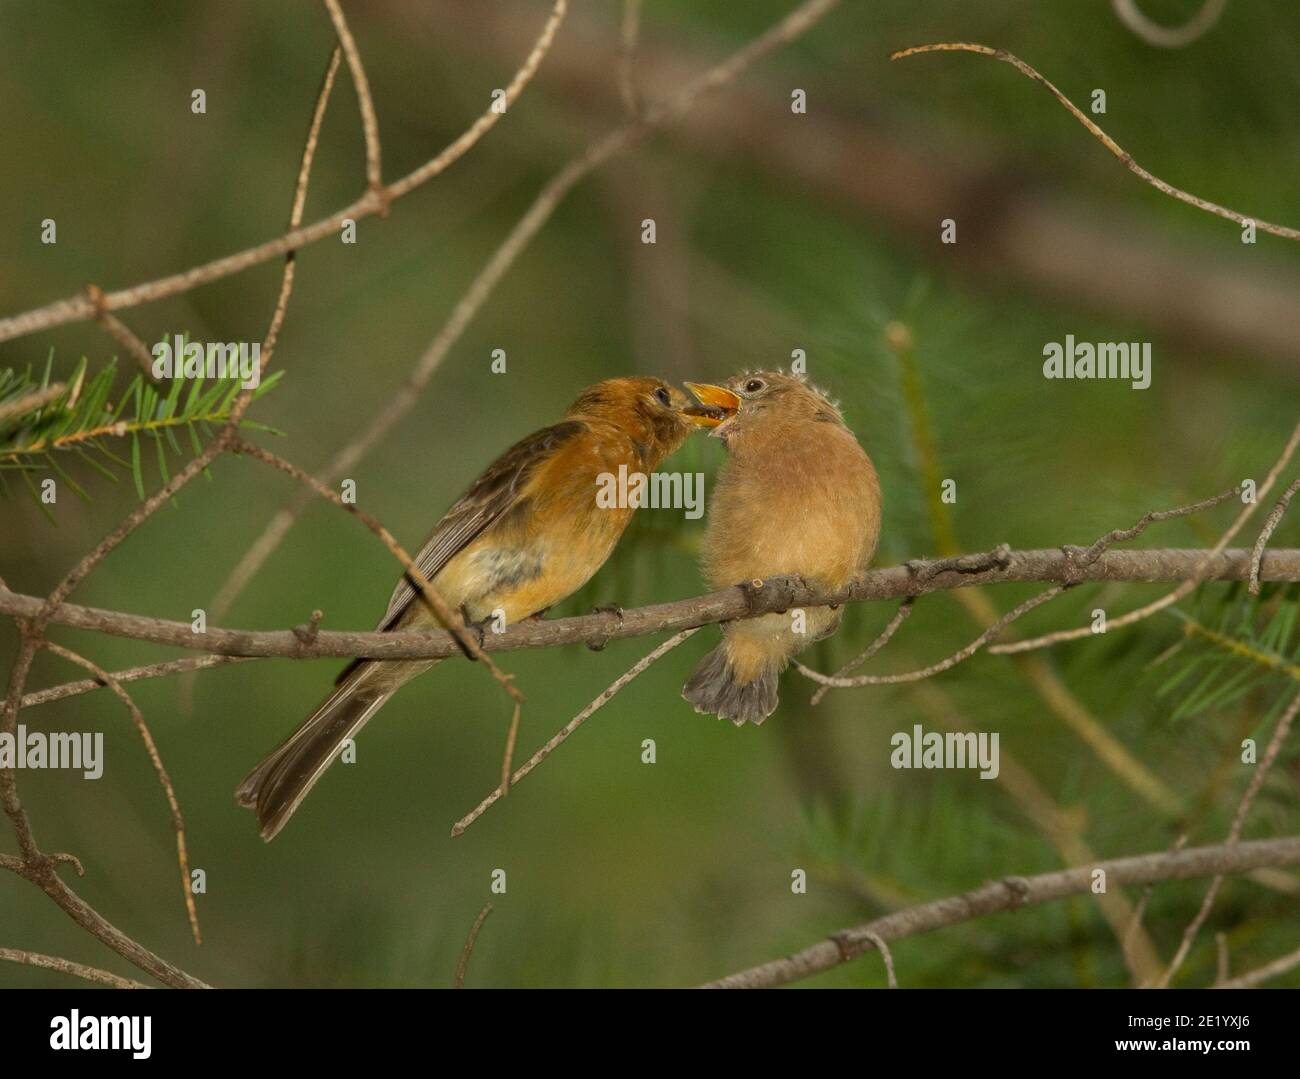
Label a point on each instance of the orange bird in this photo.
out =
(528, 533)
(797, 495)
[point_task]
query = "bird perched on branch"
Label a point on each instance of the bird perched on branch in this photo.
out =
(527, 533)
(796, 496)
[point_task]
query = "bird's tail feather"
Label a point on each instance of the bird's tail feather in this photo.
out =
(715, 690)
(277, 786)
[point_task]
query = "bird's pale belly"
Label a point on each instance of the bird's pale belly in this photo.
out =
(516, 581)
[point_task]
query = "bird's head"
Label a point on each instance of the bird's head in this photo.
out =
(759, 401)
(650, 411)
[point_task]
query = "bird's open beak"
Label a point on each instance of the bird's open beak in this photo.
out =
(717, 404)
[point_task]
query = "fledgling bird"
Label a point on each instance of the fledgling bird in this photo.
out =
(797, 495)
(528, 533)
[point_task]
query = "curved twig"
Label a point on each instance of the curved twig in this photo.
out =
(151, 747)
(67, 966)
(1124, 156)
(605, 696)
(1169, 37)
(462, 964)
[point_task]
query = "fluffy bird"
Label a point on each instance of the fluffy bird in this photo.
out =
(527, 534)
(797, 495)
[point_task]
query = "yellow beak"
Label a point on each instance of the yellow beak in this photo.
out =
(717, 404)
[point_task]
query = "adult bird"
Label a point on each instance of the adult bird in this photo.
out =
(797, 496)
(527, 533)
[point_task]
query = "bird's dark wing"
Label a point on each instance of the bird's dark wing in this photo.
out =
(493, 494)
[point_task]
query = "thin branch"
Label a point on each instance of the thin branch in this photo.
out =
(776, 594)
(1255, 977)
(289, 271)
(943, 664)
(121, 332)
(169, 791)
(577, 721)
(904, 610)
(67, 966)
(1270, 524)
(1201, 573)
(369, 121)
(1012, 893)
(629, 34)
(1169, 37)
(462, 964)
(1124, 156)
(885, 954)
(132, 674)
(78, 308)
(1234, 833)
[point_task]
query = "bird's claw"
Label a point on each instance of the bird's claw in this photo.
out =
(598, 642)
(773, 595)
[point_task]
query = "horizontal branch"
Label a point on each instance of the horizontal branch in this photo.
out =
(1010, 894)
(919, 577)
(67, 966)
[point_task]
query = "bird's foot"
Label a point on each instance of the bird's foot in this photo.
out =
(774, 595)
(477, 631)
(598, 642)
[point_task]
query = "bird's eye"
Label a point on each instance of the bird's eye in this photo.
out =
(754, 385)
(661, 395)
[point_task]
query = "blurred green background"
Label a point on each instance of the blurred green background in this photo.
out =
(776, 231)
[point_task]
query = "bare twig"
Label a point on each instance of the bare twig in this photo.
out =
(886, 955)
(121, 332)
(1234, 833)
(1010, 894)
(132, 674)
(944, 664)
(462, 964)
(1188, 585)
(1270, 524)
(1124, 156)
(169, 791)
(1169, 37)
(629, 34)
(577, 721)
(1255, 977)
(904, 609)
(67, 966)
(369, 121)
(289, 271)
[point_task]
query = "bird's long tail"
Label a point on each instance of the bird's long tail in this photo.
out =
(277, 786)
(716, 688)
